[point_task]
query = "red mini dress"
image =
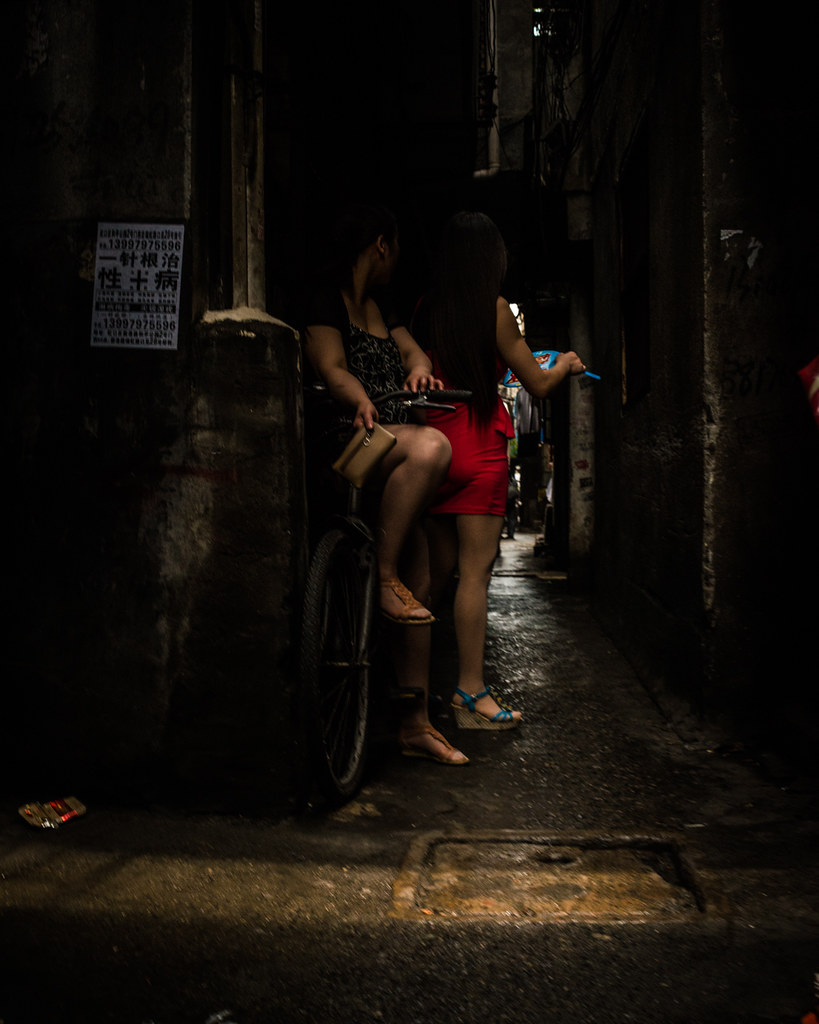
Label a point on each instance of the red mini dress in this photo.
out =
(478, 474)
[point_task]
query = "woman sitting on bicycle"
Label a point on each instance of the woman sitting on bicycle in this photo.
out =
(358, 349)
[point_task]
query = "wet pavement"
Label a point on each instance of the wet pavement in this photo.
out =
(597, 864)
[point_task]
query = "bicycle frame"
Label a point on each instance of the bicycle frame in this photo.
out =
(338, 624)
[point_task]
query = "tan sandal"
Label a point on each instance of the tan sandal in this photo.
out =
(409, 749)
(410, 604)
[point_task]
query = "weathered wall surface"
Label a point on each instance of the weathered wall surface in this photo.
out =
(707, 485)
(762, 456)
(98, 114)
(155, 501)
(157, 559)
(649, 451)
(225, 520)
(514, 63)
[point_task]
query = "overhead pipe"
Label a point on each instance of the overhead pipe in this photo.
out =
(493, 136)
(493, 153)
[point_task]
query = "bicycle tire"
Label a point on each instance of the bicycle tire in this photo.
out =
(335, 660)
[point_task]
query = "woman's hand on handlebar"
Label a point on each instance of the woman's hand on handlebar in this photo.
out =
(421, 379)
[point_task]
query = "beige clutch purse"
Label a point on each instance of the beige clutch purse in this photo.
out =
(363, 453)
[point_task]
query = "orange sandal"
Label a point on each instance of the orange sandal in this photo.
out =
(409, 749)
(410, 604)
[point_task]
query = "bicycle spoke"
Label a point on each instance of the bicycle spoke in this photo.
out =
(336, 658)
(341, 723)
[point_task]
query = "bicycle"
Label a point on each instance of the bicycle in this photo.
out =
(338, 634)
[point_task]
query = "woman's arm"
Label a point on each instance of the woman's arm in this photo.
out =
(417, 364)
(518, 357)
(325, 350)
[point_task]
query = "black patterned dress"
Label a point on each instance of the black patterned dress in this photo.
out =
(375, 361)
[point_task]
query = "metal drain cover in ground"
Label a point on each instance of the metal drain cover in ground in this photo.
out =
(522, 875)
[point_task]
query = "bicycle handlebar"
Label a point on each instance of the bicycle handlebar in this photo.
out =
(415, 399)
(425, 399)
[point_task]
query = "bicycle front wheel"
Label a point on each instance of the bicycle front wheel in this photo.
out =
(335, 660)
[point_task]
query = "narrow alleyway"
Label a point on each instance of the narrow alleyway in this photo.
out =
(595, 865)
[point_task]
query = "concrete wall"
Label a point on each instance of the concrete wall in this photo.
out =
(707, 485)
(225, 522)
(762, 452)
(649, 452)
(98, 115)
(156, 499)
(514, 57)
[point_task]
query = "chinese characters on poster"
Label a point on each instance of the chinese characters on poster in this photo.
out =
(137, 282)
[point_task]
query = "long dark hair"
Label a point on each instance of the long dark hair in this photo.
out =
(457, 318)
(357, 226)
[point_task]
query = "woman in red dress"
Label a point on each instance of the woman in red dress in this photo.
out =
(473, 338)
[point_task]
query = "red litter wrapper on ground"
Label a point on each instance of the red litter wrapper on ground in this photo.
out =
(52, 813)
(810, 378)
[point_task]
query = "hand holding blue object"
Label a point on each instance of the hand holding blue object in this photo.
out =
(546, 358)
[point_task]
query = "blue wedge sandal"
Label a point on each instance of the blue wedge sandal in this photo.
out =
(467, 715)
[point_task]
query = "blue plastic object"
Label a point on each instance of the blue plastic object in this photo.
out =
(546, 358)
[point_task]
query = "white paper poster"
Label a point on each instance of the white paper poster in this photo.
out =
(137, 284)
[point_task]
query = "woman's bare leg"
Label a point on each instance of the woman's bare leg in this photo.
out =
(478, 537)
(412, 473)
(411, 651)
(442, 538)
